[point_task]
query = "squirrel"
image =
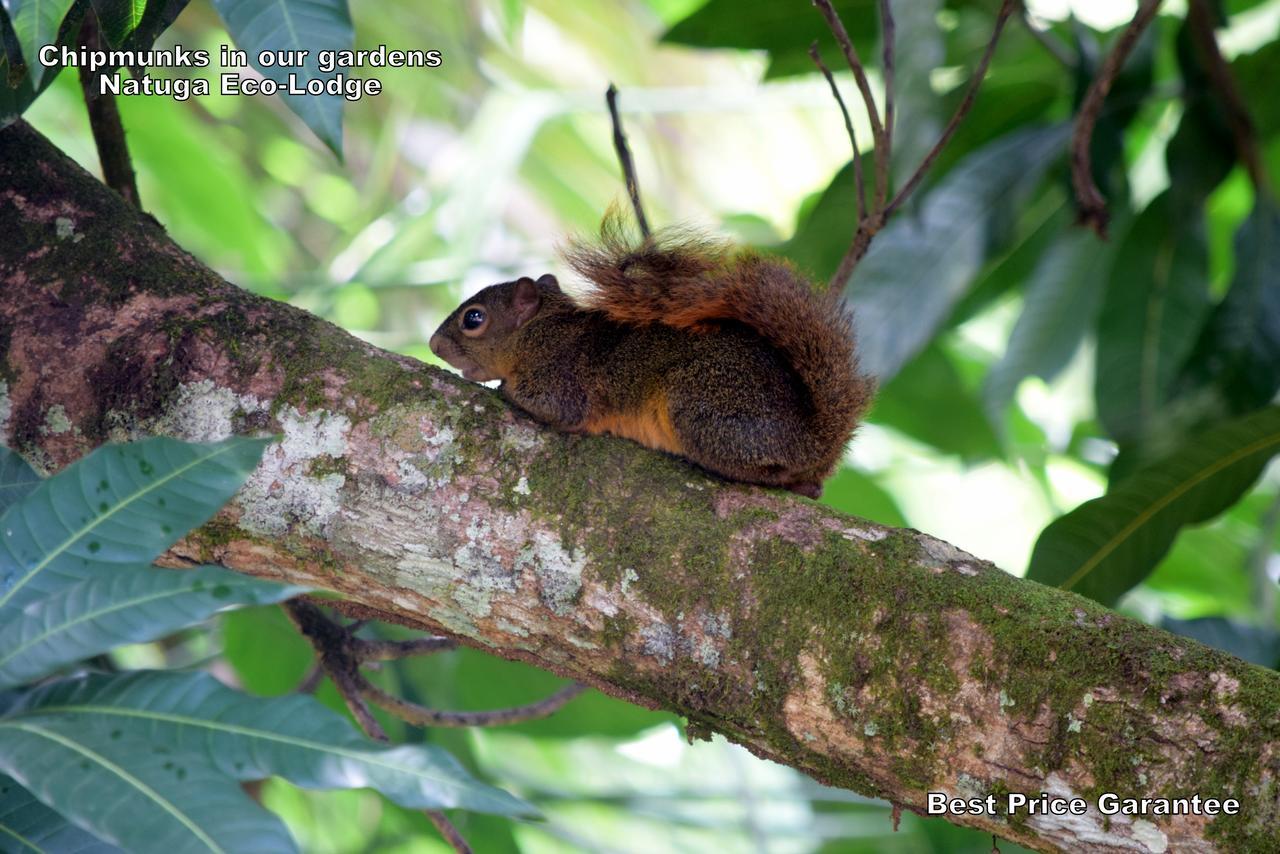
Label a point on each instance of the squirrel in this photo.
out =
(723, 356)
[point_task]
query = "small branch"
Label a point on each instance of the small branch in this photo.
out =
(887, 35)
(860, 77)
(966, 104)
(1201, 18)
(875, 221)
(311, 681)
(104, 120)
(367, 650)
(333, 646)
(1093, 207)
(422, 716)
(448, 831)
(624, 159)
(848, 126)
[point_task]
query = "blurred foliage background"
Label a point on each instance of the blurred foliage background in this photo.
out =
(1013, 347)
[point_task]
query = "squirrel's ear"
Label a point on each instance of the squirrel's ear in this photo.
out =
(549, 281)
(526, 300)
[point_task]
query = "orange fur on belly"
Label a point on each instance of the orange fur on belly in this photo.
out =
(650, 425)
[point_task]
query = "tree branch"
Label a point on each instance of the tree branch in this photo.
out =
(876, 659)
(104, 120)
(1093, 207)
(1201, 18)
(625, 161)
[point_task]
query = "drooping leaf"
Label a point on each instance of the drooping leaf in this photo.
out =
(1255, 74)
(1060, 305)
(1156, 300)
(17, 478)
(1239, 349)
(1202, 150)
(145, 796)
(920, 265)
(1106, 546)
(295, 25)
(157, 18)
(29, 827)
(128, 604)
(120, 505)
(36, 23)
(248, 738)
(119, 18)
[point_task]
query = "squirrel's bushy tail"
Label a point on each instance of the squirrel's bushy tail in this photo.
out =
(686, 280)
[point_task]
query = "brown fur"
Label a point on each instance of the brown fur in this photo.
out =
(725, 357)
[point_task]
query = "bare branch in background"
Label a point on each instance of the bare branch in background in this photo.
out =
(871, 224)
(1201, 18)
(448, 831)
(422, 716)
(887, 36)
(624, 159)
(878, 133)
(848, 126)
(104, 120)
(1093, 207)
(367, 650)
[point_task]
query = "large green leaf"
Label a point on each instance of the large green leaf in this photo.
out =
(1106, 546)
(783, 29)
(1059, 307)
(919, 50)
(36, 23)
(1239, 351)
(119, 18)
(135, 793)
(925, 259)
(17, 478)
(1156, 301)
(29, 827)
(121, 505)
(249, 738)
(128, 604)
(295, 25)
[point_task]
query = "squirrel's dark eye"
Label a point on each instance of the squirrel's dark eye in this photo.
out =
(473, 319)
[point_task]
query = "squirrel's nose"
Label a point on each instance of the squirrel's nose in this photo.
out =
(435, 343)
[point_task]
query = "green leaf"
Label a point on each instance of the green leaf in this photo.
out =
(17, 479)
(1106, 546)
(249, 738)
(780, 28)
(1060, 305)
(1256, 644)
(851, 491)
(119, 18)
(1157, 298)
(295, 25)
(135, 793)
(919, 50)
(36, 23)
(246, 632)
(1239, 350)
(122, 505)
(157, 18)
(927, 385)
(29, 827)
(128, 604)
(925, 260)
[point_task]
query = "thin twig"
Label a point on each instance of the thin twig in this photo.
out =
(624, 159)
(1093, 207)
(448, 831)
(311, 681)
(848, 126)
(1047, 40)
(887, 35)
(422, 716)
(361, 611)
(1201, 19)
(864, 88)
(1006, 9)
(104, 120)
(876, 220)
(367, 650)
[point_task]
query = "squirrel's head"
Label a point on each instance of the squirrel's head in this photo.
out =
(475, 338)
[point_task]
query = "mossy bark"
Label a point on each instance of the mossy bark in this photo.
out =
(872, 658)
